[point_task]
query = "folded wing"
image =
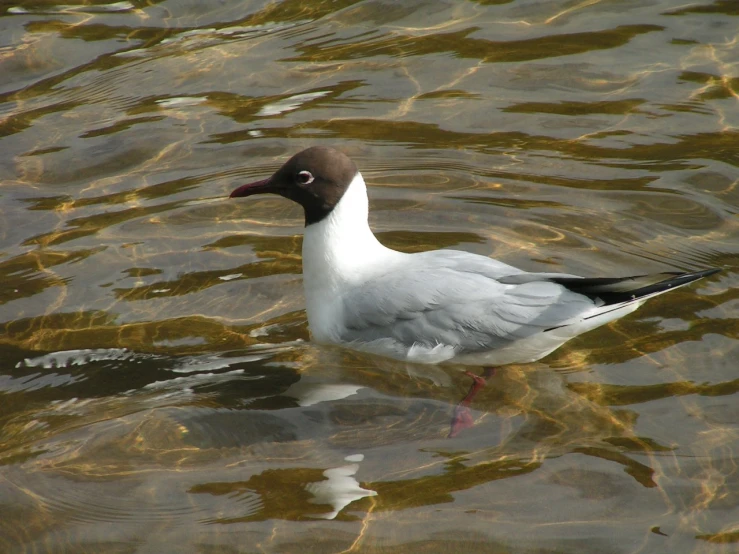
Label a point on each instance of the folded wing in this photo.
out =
(467, 311)
(470, 304)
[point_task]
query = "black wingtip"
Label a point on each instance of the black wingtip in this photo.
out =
(705, 272)
(685, 278)
(626, 289)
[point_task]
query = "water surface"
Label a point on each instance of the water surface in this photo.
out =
(158, 388)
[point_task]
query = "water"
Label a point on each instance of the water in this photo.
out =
(159, 391)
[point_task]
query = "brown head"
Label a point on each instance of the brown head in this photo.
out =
(315, 178)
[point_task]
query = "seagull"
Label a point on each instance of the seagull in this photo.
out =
(439, 306)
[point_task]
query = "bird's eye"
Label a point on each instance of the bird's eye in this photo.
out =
(305, 178)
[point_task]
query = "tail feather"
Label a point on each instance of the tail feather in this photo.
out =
(626, 289)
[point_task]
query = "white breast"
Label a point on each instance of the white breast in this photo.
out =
(340, 253)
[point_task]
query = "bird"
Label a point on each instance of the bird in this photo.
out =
(438, 306)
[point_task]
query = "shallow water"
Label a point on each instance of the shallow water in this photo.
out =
(158, 388)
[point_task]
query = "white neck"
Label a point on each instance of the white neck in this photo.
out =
(342, 247)
(340, 252)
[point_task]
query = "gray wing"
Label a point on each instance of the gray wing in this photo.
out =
(469, 304)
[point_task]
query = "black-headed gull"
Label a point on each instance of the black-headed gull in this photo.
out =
(436, 306)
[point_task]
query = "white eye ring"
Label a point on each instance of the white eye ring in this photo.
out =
(305, 178)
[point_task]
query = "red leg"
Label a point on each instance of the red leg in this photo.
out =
(462, 418)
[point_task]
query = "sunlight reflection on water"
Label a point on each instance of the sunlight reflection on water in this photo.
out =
(159, 388)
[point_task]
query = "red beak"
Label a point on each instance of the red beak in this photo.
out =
(258, 187)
